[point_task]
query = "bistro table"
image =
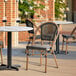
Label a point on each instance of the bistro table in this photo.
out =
(57, 42)
(11, 29)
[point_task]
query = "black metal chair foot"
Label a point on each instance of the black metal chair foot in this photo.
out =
(61, 52)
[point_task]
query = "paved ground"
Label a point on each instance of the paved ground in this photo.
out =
(67, 63)
(20, 52)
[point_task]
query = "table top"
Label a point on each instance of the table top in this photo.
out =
(14, 28)
(60, 22)
(63, 22)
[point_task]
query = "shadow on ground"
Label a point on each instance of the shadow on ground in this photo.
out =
(20, 52)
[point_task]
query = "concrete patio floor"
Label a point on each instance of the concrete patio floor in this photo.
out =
(66, 63)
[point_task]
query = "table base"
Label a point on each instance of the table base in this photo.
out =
(5, 67)
(61, 52)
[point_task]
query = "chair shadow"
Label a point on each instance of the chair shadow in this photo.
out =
(35, 64)
(32, 70)
(36, 70)
(40, 70)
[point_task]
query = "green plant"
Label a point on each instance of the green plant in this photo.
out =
(27, 7)
(59, 5)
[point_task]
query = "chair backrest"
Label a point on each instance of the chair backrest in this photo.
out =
(48, 31)
(29, 24)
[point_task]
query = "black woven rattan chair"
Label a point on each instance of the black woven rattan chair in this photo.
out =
(29, 23)
(49, 32)
(68, 38)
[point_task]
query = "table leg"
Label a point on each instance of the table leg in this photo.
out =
(9, 50)
(9, 55)
(57, 46)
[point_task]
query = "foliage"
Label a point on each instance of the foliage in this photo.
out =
(59, 4)
(27, 7)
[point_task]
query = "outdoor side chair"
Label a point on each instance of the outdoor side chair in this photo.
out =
(1, 46)
(68, 38)
(49, 32)
(30, 23)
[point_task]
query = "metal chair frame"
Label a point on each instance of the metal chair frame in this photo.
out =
(66, 39)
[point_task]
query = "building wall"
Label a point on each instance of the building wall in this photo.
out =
(5, 11)
(10, 10)
(1, 15)
(69, 12)
(74, 10)
(47, 13)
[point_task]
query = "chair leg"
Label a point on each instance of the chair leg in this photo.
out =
(66, 46)
(63, 44)
(46, 63)
(41, 59)
(28, 44)
(55, 59)
(41, 54)
(32, 50)
(27, 61)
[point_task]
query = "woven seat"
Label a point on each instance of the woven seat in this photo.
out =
(39, 47)
(68, 36)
